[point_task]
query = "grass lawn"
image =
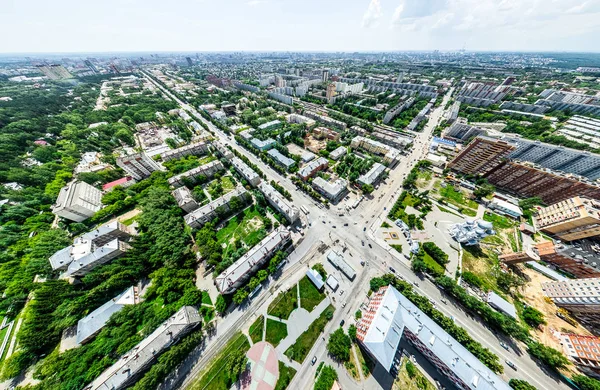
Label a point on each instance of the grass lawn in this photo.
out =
(228, 183)
(445, 210)
(129, 221)
(284, 304)
(481, 263)
(417, 382)
(432, 263)
(206, 298)
(457, 198)
(276, 331)
(398, 248)
(206, 159)
(468, 212)
(498, 221)
(365, 361)
(286, 374)
(309, 295)
(215, 375)
(352, 366)
(246, 226)
(305, 341)
(256, 329)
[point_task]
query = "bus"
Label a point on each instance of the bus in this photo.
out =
(304, 209)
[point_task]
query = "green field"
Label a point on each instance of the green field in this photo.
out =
(215, 376)
(499, 221)
(305, 341)
(276, 331)
(256, 329)
(206, 298)
(309, 295)
(432, 263)
(246, 226)
(457, 198)
(284, 304)
(286, 374)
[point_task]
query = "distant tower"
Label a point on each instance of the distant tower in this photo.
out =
(189, 61)
(330, 93)
(400, 76)
(279, 81)
(325, 75)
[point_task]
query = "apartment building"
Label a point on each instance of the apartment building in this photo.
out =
(571, 219)
(247, 173)
(571, 101)
(324, 132)
(127, 369)
(280, 159)
(332, 190)
(527, 180)
(460, 131)
(390, 155)
(197, 218)
(222, 150)
(299, 119)
(583, 352)
(338, 153)
(274, 124)
(581, 297)
(397, 109)
(77, 201)
(289, 211)
(195, 149)
(373, 175)
(326, 120)
(239, 272)
(138, 165)
(481, 156)
(580, 259)
(390, 317)
(482, 94)
(582, 129)
(310, 169)
(207, 170)
(185, 200)
(452, 114)
(262, 144)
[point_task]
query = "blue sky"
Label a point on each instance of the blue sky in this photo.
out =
(327, 25)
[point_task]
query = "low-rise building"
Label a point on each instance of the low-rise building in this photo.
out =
(138, 165)
(274, 124)
(197, 218)
(316, 278)
(503, 207)
(339, 263)
(334, 191)
(89, 326)
(583, 352)
(296, 118)
(390, 155)
(247, 173)
(262, 145)
(207, 170)
(373, 175)
(580, 259)
(195, 149)
(324, 132)
(338, 153)
(310, 169)
(123, 182)
(282, 160)
(290, 212)
(501, 304)
(390, 317)
(126, 370)
(185, 200)
(222, 150)
(239, 272)
(437, 160)
(77, 201)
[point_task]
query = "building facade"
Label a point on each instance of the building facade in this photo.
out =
(581, 297)
(197, 218)
(138, 165)
(77, 201)
(481, 156)
(571, 219)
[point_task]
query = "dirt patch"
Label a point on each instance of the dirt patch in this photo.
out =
(313, 144)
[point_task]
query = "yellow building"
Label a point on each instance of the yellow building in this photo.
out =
(571, 219)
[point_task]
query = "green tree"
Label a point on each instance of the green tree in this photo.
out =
(585, 382)
(520, 384)
(339, 345)
(236, 365)
(352, 332)
(548, 355)
(220, 304)
(533, 317)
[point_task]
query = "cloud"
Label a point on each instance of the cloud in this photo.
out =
(254, 3)
(372, 15)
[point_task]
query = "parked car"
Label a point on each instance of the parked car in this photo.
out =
(341, 292)
(392, 270)
(362, 242)
(362, 262)
(365, 229)
(504, 345)
(342, 322)
(313, 361)
(370, 246)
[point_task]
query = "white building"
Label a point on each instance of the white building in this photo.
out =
(506, 208)
(334, 191)
(371, 177)
(77, 201)
(139, 165)
(338, 153)
(390, 155)
(247, 173)
(197, 218)
(195, 149)
(290, 212)
(208, 170)
(471, 232)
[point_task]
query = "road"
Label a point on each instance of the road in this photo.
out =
(370, 216)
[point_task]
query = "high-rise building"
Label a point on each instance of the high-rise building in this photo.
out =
(189, 61)
(279, 81)
(325, 75)
(77, 201)
(138, 165)
(481, 156)
(583, 352)
(571, 219)
(330, 93)
(91, 66)
(581, 297)
(55, 71)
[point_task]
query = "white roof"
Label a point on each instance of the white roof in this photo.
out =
(501, 304)
(316, 278)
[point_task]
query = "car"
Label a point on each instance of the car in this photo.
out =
(444, 301)
(504, 345)
(333, 226)
(345, 224)
(370, 246)
(324, 222)
(511, 365)
(392, 270)
(342, 322)
(365, 229)
(341, 292)
(363, 242)
(313, 361)
(344, 304)
(362, 263)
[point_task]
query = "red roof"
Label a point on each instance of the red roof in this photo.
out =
(117, 182)
(40, 142)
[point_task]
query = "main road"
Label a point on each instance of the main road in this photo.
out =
(378, 253)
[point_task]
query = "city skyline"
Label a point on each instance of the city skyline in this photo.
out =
(273, 25)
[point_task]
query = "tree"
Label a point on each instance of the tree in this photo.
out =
(321, 270)
(548, 355)
(484, 190)
(411, 370)
(367, 188)
(339, 345)
(220, 304)
(236, 365)
(533, 317)
(585, 382)
(352, 332)
(520, 384)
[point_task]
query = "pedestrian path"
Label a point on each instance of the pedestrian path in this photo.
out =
(298, 322)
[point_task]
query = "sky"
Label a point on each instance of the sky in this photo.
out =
(298, 25)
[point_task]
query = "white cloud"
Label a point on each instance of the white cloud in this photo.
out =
(372, 15)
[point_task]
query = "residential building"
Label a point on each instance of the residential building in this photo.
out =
(500, 304)
(127, 369)
(332, 190)
(390, 154)
(338, 153)
(581, 297)
(481, 156)
(222, 150)
(571, 219)
(262, 145)
(138, 165)
(207, 170)
(307, 156)
(246, 87)
(310, 169)
(185, 200)
(452, 114)
(281, 98)
(54, 71)
(247, 173)
(299, 119)
(437, 160)
(373, 175)
(282, 160)
(325, 75)
(316, 278)
(337, 260)
(482, 94)
(580, 259)
(324, 132)
(77, 201)
(239, 272)
(570, 101)
(527, 180)
(391, 317)
(330, 92)
(503, 207)
(582, 129)
(197, 218)
(123, 182)
(583, 352)
(279, 81)
(195, 149)
(557, 158)
(89, 326)
(397, 109)
(290, 212)
(326, 120)
(274, 124)
(460, 131)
